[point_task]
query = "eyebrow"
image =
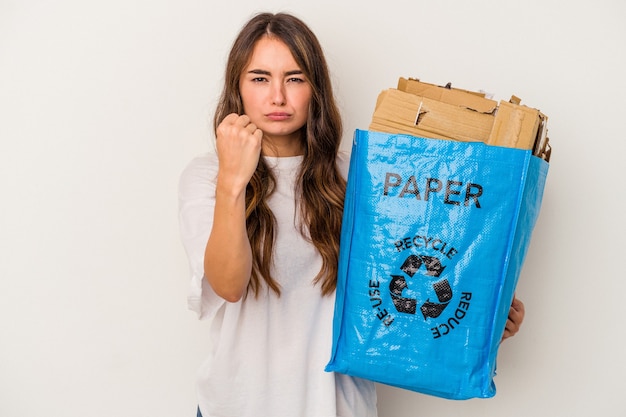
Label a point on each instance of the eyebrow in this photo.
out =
(264, 72)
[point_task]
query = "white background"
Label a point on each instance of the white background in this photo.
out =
(103, 103)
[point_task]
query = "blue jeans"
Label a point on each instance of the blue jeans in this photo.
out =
(199, 413)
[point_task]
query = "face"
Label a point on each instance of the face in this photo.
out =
(276, 94)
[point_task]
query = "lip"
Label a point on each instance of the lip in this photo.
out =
(278, 116)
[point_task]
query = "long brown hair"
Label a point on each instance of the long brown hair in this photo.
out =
(320, 185)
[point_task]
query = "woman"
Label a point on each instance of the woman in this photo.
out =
(260, 221)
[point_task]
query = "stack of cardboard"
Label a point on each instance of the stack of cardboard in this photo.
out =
(427, 110)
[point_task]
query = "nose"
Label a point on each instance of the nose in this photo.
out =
(278, 94)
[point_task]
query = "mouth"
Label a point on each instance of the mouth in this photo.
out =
(278, 116)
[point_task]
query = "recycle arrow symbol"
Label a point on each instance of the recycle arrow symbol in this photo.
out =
(442, 288)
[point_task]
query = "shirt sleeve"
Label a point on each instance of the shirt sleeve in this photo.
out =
(343, 163)
(196, 199)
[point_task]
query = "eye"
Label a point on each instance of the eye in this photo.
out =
(296, 80)
(259, 79)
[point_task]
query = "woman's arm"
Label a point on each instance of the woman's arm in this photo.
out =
(228, 256)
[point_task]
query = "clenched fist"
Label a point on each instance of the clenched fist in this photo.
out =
(238, 149)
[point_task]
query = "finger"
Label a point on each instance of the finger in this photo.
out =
(506, 334)
(258, 133)
(242, 121)
(512, 326)
(517, 312)
(230, 119)
(226, 125)
(251, 127)
(517, 305)
(516, 316)
(509, 330)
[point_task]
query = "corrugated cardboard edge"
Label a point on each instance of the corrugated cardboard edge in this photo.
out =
(453, 96)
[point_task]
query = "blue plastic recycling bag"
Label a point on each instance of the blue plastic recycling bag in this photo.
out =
(433, 239)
